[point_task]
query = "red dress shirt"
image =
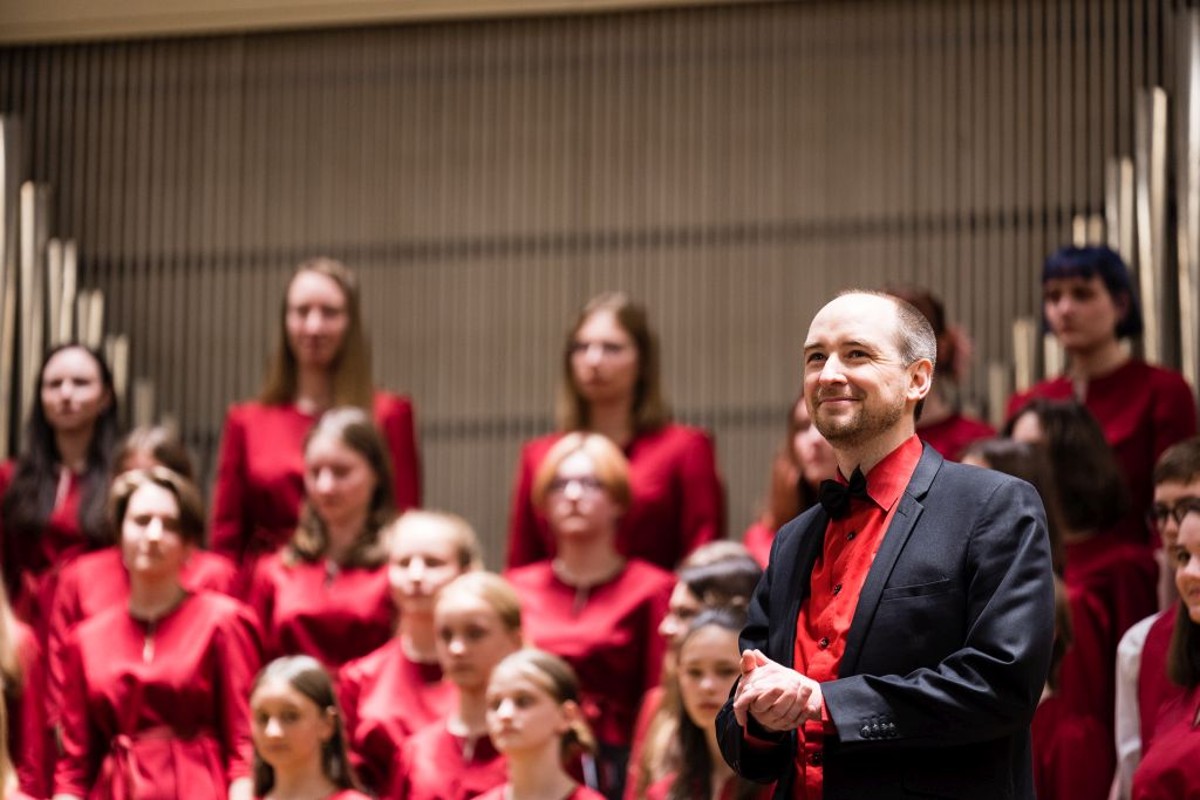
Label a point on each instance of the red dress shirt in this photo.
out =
(1170, 767)
(165, 715)
(1142, 410)
(608, 634)
(97, 581)
(678, 500)
(260, 472)
(385, 698)
(951, 436)
(434, 766)
(836, 582)
(333, 614)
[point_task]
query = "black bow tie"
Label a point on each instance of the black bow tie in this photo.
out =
(835, 496)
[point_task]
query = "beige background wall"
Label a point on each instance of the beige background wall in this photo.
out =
(732, 167)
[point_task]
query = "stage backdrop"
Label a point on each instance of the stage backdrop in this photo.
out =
(731, 167)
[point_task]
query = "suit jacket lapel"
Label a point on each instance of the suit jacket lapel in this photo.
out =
(907, 514)
(797, 586)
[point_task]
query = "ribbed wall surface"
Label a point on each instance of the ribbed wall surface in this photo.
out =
(731, 167)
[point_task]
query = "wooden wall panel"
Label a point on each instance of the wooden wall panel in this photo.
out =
(732, 167)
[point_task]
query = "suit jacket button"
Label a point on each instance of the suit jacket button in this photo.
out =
(865, 732)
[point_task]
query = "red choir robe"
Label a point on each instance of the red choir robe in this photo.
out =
(30, 737)
(758, 539)
(333, 614)
(385, 698)
(580, 792)
(1062, 741)
(1170, 767)
(678, 499)
(1155, 690)
(661, 789)
(608, 634)
(151, 708)
(1111, 585)
(97, 581)
(260, 472)
(1142, 410)
(31, 564)
(651, 703)
(437, 765)
(347, 794)
(952, 435)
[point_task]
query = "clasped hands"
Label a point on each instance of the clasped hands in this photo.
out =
(780, 699)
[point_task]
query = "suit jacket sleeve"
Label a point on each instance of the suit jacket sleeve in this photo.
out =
(770, 757)
(988, 688)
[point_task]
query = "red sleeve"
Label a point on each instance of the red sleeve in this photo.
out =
(1174, 414)
(702, 516)
(238, 659)
(81, 748)
(400, 788)
(228, 536)
(396, 420)
(260, 597)
(525, 543)
(33, 763)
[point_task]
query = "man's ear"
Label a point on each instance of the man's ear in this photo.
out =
(920, 379)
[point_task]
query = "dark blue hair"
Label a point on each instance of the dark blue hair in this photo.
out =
(1084, 262)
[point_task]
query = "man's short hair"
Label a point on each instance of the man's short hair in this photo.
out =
(915, 338)
(1179, 463)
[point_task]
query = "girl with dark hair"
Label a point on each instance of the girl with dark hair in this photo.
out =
(325, 594)
(299, 741)
(704, 583)
(709, 664)
(534, 719)
(611, 386)
(941, 422)
(1089, 304)
(154, 691)
(398, 689)
(1111, 581)
(801, 463)
(321, 361)
(1170, 766)
(54, 494)
(590, 604)
(478, 621)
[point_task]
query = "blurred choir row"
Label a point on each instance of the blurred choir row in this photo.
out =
(335, 641)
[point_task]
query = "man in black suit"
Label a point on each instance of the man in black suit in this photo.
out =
(900, 638)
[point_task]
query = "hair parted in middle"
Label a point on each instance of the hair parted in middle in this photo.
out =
(187, 497)
(306, 675)
(352, 383)
(650, 411)
(355, 429)
(492, 589)
(460, 533)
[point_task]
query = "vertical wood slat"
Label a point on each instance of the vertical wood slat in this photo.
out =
(729, 166)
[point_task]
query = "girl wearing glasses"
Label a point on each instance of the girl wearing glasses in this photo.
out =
(610, 385)
(590, 604)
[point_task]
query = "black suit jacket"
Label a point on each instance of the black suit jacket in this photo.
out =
(947, 653)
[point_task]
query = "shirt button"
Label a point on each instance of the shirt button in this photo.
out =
(837, 589)
(823, 643)
(815, 759)
(850, 536)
